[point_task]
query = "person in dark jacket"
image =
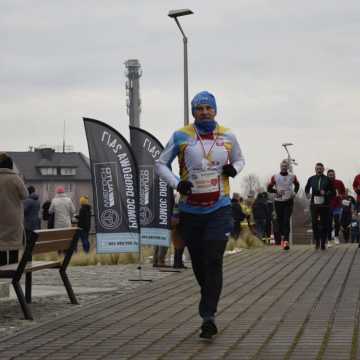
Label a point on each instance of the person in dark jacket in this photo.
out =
(260, 214)
(31, 212)
(238, 215)
(348, 205)
(84, 222)
(46, 216)
(269, 226)
(322, 191)
(355, 228)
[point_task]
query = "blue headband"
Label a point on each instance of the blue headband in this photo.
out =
(203, 98)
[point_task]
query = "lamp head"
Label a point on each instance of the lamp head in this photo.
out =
(181, 12)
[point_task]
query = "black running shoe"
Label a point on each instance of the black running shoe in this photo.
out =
(208, 329)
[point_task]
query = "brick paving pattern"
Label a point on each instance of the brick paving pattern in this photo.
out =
(102, 282)
(302, 304)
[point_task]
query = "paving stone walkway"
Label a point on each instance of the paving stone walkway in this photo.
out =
(90, 284)
(302, 304)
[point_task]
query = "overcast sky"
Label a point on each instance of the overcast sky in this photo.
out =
(281, 71)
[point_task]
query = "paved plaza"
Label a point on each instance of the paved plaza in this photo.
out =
(302, 304)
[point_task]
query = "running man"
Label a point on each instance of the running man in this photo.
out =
(285, 186)
(321, 191)
(208, 155)
(335, 206)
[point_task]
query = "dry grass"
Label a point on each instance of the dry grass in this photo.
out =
(83, 259)
(247, 240)
(80, 258)
(92, 258)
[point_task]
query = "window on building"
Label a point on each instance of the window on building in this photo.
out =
(48, 171)
(69, 188)
(50, 187)
(68, 171)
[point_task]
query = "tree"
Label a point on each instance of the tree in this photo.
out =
(250, 184)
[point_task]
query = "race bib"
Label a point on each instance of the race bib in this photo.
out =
(346, 202)
(319, 200)
(206, 189)
(285, 195)
(204, 181)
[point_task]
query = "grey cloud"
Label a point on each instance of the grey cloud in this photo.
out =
(272, 65)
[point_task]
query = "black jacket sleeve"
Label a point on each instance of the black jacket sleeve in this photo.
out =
(296, 186)
(308, 186)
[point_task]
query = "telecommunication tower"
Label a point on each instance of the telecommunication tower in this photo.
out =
(133, 73)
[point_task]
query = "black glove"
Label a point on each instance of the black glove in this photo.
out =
(184, 187)
(229, 170)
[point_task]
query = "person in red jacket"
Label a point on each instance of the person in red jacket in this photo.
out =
(335, 206)
(356, 187)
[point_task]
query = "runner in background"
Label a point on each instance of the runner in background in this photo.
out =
(355, 228)
(270, 218)
(285, 186)
(356, 187)
(335, 207)
(260, 212)
(348, 205)
(321, 192)
(208, 155)
(238, 215)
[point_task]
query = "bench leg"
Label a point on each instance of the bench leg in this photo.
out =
(68, 287)
(28, 286)
(24, 306)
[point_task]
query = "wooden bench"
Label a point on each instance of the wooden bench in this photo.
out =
(64, 241)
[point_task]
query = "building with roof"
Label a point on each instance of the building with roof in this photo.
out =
(45, 169)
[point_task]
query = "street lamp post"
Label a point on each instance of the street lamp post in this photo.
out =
(291, 161)
(175, 14)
